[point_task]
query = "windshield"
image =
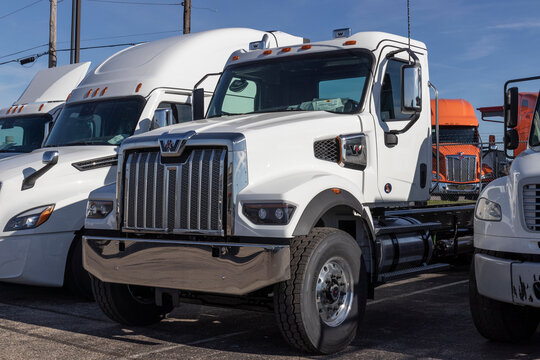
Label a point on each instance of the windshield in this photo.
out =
(534, 139)
(456, 135)
(22, 134)
(105, 122)
(332, 81)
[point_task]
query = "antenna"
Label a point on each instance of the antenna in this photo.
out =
(408, 24)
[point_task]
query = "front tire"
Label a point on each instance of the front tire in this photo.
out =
(128, 304)
(77, 279)
(319, 308)
(500, 321)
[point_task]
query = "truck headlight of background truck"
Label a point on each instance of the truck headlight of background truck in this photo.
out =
(98, 209)
(269, 213)
(30, 219)
(488, 210)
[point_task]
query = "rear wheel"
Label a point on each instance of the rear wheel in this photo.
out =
(499, 321)
(129, 304)
(318, 310)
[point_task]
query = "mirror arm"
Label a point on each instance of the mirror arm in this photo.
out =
(205, 77)
(411, 53)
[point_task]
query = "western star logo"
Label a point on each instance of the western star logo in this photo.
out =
(169, 145)
(355, 149)
(173, 144)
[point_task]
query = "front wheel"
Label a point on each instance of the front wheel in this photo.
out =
(319, 308)
(499, 321)
(128, 304)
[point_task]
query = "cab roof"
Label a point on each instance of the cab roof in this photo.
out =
(454, 112)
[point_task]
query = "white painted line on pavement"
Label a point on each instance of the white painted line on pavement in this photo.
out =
(418, 292)
(195, 342)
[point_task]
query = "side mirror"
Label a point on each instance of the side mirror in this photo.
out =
(511, 108)
(197, 104)
(511, 139)
(162, 118)
(411, 89)
(50, 157)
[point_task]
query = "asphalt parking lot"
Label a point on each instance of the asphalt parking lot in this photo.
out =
(422, 317)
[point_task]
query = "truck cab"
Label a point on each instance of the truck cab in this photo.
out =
(504, 279)
(458, 151)
(296, 193)
(43, 194)
(25, 125)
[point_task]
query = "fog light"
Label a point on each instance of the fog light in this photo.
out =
(268, 213)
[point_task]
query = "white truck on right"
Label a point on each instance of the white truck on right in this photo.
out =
(505, 274)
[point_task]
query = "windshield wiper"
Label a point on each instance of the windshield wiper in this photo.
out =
(225, 113)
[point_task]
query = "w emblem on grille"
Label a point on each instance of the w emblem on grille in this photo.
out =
(173, 144)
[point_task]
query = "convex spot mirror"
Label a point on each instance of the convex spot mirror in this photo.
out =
(411, 89)
(511, 107)
(511, 139)
(50, 157)
(162, 118)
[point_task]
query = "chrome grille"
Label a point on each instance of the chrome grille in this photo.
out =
(461, 168)
(182, 196)
(531, 206)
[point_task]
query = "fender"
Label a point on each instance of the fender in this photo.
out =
(320, 204)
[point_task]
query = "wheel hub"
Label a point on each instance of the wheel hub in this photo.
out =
(334, 291)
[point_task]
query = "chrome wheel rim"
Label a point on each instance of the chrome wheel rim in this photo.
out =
(334, 291)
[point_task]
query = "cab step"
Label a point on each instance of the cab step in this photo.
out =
(390, 276)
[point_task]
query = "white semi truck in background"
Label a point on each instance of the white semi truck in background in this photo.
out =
(43, 194)
(505, 274)
(304, 188)
(25, 124)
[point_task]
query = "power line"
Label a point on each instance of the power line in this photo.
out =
(18, 52)
(134, 2)
(16, 11)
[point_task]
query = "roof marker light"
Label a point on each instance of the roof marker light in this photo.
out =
(267, 52)
(336, 191)
(305, 47)
(20, 109)
(9, 110)
(286, 49)
(41, 107)
(104, 91)
(138, 87)
(88, 93)
(95, 92)
(350, 42)
(68, 97)
(14, 110)
(236, 57)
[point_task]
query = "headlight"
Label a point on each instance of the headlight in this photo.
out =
(98, 209)
(269, 214)
(488, 210)
(30, 219)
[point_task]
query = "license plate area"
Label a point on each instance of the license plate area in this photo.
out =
(526, 283)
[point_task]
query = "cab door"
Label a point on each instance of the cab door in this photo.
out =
(403, 134)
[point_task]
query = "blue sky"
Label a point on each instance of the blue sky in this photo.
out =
(474, 46)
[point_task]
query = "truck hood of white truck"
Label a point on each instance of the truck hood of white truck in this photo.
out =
(275, 141)
(63, 185)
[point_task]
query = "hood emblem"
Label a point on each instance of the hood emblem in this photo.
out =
(460, 156)
(174, 144)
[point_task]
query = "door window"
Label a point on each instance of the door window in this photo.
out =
(390, 106)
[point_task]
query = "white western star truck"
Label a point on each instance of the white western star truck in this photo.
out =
(504, 285)
(25, 124)
(43, 194)
(303, 189)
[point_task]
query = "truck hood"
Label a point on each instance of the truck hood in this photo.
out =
(526, 165)
(63, 185)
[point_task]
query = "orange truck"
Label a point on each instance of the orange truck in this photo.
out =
(459, 151)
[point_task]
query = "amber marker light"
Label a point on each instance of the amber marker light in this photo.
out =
(68, 97)
(14, 110)
(336, 191)
(88, 93)
(41, 107)
(104, 91)
(305, 47)
(45, 214)
(20, 109)
(287, 49)
(138, 87)
(95, 92)
(236, 57)
(350, 42)
(267, 52)
(9, 110)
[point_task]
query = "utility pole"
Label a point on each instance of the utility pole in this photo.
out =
(75, 31)
(52, 35)
(187, 16)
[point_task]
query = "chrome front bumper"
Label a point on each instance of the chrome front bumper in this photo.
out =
(453, 188)
(222, 268)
